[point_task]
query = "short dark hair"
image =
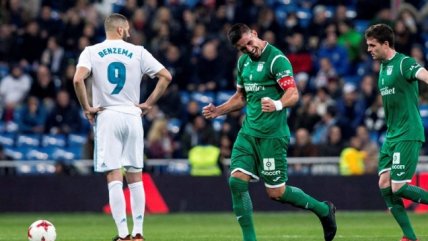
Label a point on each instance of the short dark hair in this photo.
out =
(382, 33)
(236, 31)
(114, 20)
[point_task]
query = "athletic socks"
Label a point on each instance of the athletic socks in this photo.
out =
(296, 197)
(242, 207)
(396, 206)
(138, 203)
(118, 207)
(413, 193)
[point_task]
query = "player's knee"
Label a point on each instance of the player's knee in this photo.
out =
(275, 193)
(237, 184)
(395, 187)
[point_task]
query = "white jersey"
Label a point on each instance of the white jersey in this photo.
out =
(117, 68)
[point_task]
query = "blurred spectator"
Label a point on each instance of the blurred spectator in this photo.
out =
(350, 39)
(170, 103)
(352, 159)
(404, 39)
(337, 54)
(298, 54)
(32, 116)
(334, 144)
(325, 73)
(306, 115)
(350, 110)
(322, 100)
(44, 87)
(53, 56)
(368, 90)
(49, 25)
(417, 52)
(266, 21)
(159, 142)
(7, 43)
(321, 129)
(196, 133)
(178, 65)
(67, 81)
(316, 29)
(210, 69)
(13, 90)
(64, 117)
(31, 43)
(374, 119)
(371, 149)
(303, 146)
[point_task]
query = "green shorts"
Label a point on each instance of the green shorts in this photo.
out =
(400, 158)
(264, 158)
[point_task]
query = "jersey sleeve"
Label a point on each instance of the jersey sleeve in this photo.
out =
(150, 65)
(85, 59)
(281, 67)
(409, 68)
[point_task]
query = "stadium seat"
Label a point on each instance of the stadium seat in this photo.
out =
(361, 25)
(174, 125)
(203, 99)
(35, 154)
(28, 140)
(184, 96)
(223, 96)
(218, 122)
(7, 139)
(77, 139)
(14, 152)
(41, 168)
(54, 140)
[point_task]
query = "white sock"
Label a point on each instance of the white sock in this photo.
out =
(138, 205)
(118, 207)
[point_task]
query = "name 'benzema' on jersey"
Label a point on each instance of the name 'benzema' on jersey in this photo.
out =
(107, 51)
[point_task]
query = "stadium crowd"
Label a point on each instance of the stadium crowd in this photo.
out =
(339, 107)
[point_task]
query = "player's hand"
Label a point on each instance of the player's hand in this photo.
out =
(267, 105)
(144, 108)
(91, 113)
(209, 111)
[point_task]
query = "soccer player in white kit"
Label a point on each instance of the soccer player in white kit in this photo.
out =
(117, 68)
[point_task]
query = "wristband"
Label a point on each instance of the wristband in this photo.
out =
(278, 105)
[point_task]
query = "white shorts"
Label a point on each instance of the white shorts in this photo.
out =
(119, 141)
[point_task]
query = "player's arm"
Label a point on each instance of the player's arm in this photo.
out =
(79, 87)
(235, 102)
(164, 79)
(422, 75)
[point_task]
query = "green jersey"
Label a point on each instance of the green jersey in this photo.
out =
(399, 89)
(259, 79)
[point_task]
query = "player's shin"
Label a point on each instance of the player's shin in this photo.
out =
(413, 193)
(118, 207)
(396, 206)
(138, 201)
(242, 207)
(296, 197)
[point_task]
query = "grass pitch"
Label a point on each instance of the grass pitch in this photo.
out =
(293, 226)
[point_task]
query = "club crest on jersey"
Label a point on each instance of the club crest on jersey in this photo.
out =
(260, 66)
(389, 69)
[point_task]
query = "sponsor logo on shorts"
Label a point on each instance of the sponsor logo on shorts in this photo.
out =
(396, 158)
(398, 167)
(271, 173)
(400, 174)
(268, 164)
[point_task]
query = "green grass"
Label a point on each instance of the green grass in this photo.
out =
(293, 226)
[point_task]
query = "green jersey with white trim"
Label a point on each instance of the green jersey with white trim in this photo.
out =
(399, 89)
(258, 78)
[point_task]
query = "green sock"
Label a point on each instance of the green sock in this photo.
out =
(296, 197)
(243, 207)
(396, 206)
(413, 193)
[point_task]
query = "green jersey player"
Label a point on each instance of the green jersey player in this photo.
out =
(398, 85)
(266, 86)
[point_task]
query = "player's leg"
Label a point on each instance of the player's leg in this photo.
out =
(242, 205)
(243, 169)
(405, 160)
(138, 201)
(394, 203)
(107, 155)
(117, 203)
(132, 158)
(273, 170)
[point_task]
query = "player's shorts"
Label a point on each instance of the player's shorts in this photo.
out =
(400, 158)
(119, 141)
(264, 158)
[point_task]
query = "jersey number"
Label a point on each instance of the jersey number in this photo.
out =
(117, 76)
